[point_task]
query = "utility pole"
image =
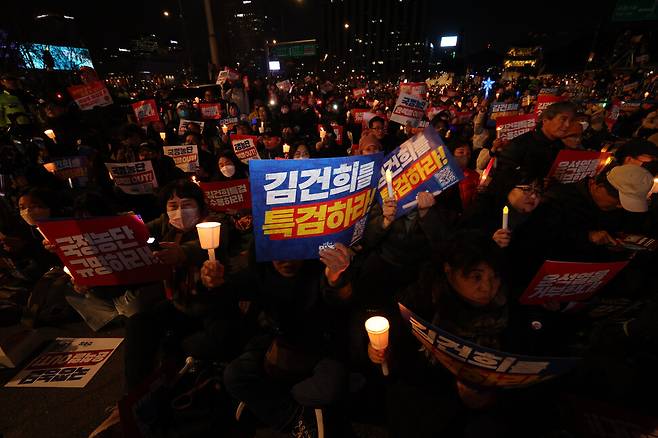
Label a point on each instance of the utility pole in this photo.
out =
(212, 39)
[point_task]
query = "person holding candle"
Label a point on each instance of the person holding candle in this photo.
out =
(295, 361)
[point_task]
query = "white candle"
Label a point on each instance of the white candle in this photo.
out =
(286, 148)
(389, 184)
(224, 129)
(654, 188)
(70, 183)
(50, 134)
(163, 136)
(209, 237)
(377, 328)
(505, 218)
(68, 272)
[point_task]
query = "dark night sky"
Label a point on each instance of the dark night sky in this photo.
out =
(501, 23)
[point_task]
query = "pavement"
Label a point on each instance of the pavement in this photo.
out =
(75, 412)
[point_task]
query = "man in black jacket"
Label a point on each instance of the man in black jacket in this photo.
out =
(535, 151)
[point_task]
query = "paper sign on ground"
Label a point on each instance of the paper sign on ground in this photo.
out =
(68, 363)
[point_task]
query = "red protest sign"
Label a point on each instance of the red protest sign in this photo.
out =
(146, 111)
(511, 127)
(244, 147)
(90, 95)
(359, 92)
(569, 281)
(418, 89)
(432, 111)
(357, 114)
(546, 100)
(229, 195)
(572, 166)
(106, 251)
(210, 111)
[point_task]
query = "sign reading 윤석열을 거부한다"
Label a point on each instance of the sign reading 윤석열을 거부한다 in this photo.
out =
(421, 163)
(67, 363)
(302, 206)
(105, 251)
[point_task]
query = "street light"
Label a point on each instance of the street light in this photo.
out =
(165, 13)
(347, 25)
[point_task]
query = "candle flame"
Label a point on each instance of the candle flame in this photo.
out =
(389, 176)
(505, 210)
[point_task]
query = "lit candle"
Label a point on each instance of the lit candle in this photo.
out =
(322, 133)
(194, 180)
(286, 148)
(209, 237)
(224, 129)
(68, 272)
(163, 136)
(389, 184)
(377, 328)
(70, 183)
(505, 218)
(654, 188)
(646, 94)
(262, 127)
(50, 134)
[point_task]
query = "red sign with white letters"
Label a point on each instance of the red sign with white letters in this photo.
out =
(107, 251)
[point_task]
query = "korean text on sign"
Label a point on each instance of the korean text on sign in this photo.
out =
(573, 166)
(421, 163)
(68, 167)
(186, 157)
(300, 206)
(483, 366)
(408, 109)
(211, 111)
(509, 127)
(569, 281)
(228, 195)
(544, 101)
(91, 95)
(244, 147)
(105, 251)
(136, 178)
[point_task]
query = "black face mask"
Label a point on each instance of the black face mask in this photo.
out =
(651, 166)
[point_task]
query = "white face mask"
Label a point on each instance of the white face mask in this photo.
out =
(184, 219)
(227, 171)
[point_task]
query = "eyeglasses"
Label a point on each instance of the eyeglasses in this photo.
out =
(530, 190)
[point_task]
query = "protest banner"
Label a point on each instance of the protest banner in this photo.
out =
(421, 163)
(613, 114)
(210, 111)
(502, 109)
(230, 122)
(338, 132)
(227, 195)
(68, 167)
(67, 363)
(228, 74)
(244, 147)
(284, 86)
(408, 109)
(303, 206)
(596, 419)
(569, 281)
(357, 115)
(136, 178)
(432, 111)
(91, 95)
(105, 251)
(481, 366)
(548, 91)
(510, 127)
(416, 89)
(185, 156)
(146, 111)
(183, 126)
(359, 93)
(573, 166)
(546, 100)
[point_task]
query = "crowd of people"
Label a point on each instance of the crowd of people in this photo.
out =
(286, 337)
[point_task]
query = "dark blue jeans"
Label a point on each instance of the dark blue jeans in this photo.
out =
(277, 403)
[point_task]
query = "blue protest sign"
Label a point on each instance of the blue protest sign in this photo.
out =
(301, 206)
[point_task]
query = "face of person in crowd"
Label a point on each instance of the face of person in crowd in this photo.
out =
(525, 198)
(574, 137)
(558, 126)
(147, 154)
(378, 130)
(603, 196)
(226, 167)
(233, 111)
(301, 153)
(285, 109)
(287, 268)
(271, 142)
(262, 114)
(191, 139)
(242, 130)
(462, 156)
(183, 112)
(369, 148)
(32, 210)
(209, 97)
(478, 287)
(183, 212)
